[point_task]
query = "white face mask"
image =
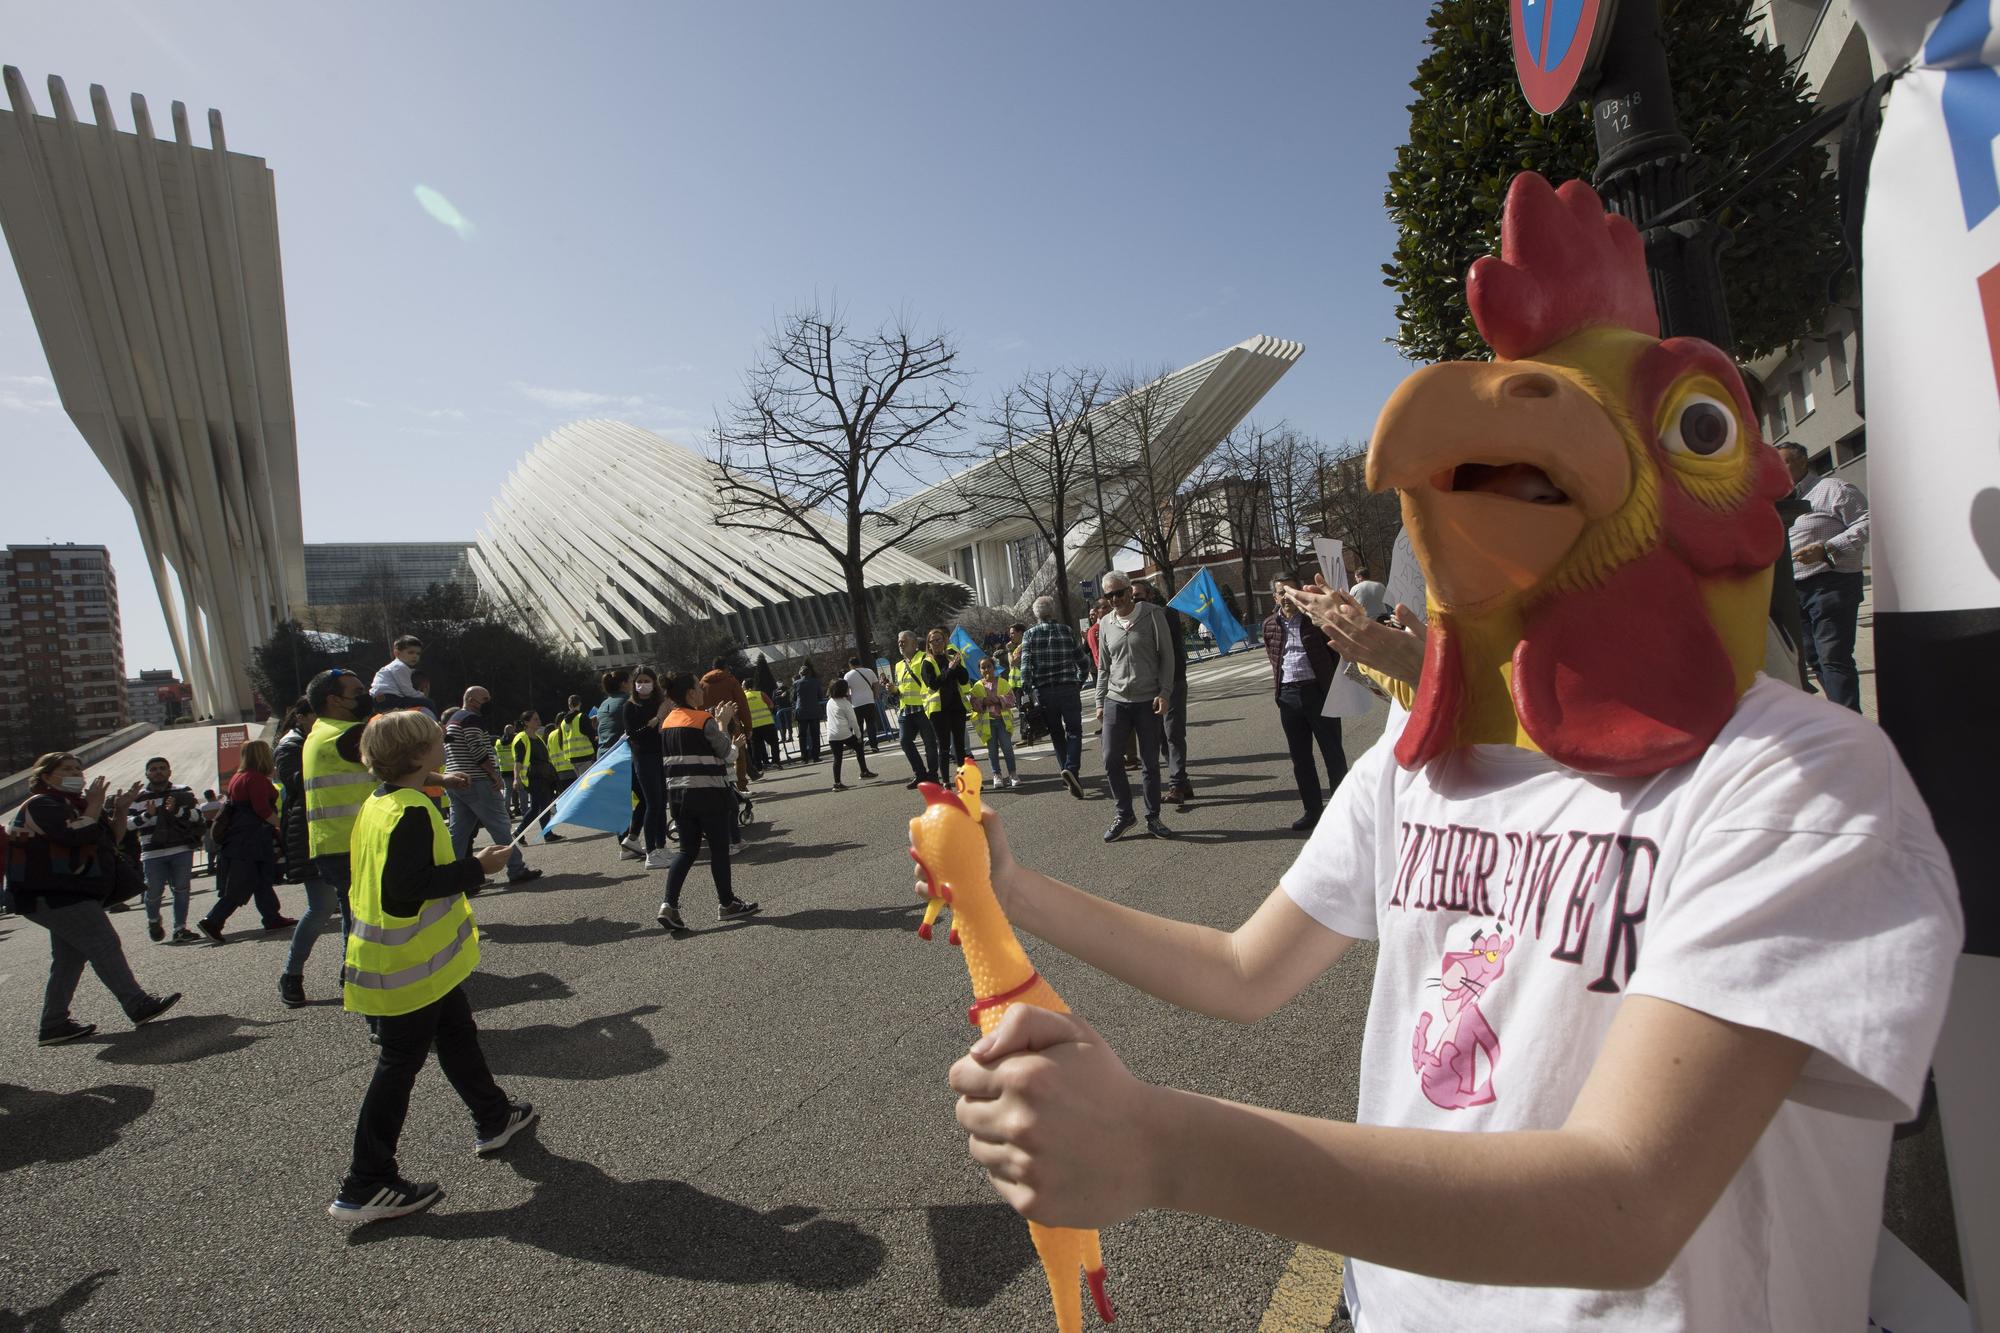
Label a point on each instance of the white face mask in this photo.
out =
(74, 784)
(643, 688)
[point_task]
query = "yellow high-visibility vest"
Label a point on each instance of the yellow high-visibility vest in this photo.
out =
(760, 708)
(503, 757)
(335, 790)
(914, 693)
(976, 694)
(576, 745)
(399, 964)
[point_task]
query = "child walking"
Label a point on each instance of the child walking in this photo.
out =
(843, 730)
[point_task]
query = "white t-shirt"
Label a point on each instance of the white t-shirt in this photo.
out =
(394, 679)
(842, 724)
(1789, 879)
(860, 686)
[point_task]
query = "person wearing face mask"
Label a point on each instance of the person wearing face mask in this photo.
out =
(650, 831)
(336, 781)
(62, 868)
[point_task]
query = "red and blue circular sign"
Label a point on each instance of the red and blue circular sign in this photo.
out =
(1555, 43)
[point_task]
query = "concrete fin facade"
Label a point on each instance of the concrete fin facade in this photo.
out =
(1192, 409)
(605, 535)
(152, 271)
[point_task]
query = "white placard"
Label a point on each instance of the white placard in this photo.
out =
(1346, 697)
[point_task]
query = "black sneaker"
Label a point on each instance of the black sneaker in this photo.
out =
(182, 935)
(524, 877)
(671, 918)
(155, 930)
(519, 1118)
(281, 923)
(210, 929)
(152, 1007)
(554, 837)
(913, 784)
(1306, 822)
(737, 909)
(1118, 827)
(1070, 781)
(68, 1030)
(840, 786)
(1158, 827)
(292, 990)
(379, 1203)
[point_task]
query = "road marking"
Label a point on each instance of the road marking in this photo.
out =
(1307, 1293)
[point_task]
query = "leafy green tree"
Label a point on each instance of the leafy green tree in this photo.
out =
(1471, 131)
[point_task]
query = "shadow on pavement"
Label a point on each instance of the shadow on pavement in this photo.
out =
(894, 917)
(174, 1041)
(584, 932)
(38, 1126)
(980, 1248)
(597, 1048)
(489, 990)
(757, 851)
(667, 1228)
(49, 1318)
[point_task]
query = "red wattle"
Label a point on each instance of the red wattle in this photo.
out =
(1095, 1277)
(953, 937)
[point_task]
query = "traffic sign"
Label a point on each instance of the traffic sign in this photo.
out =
(1557, 43)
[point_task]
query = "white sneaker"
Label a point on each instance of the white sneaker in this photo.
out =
(630, 849)
(659, 859)
(1013, 781)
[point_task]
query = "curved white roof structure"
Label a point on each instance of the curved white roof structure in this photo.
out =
(605, 535)
(998, 554)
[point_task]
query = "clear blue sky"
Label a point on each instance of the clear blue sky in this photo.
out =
(649, 186)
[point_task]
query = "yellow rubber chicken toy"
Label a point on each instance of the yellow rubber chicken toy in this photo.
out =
(949, 846)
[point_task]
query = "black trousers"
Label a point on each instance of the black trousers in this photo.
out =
(406, 1042)
(870, 718)
(243, 879)
(649, 780)
(1298, 710)
(709, 815)
(855, 743)
(914, 726)
(541, 795)
(953, 745)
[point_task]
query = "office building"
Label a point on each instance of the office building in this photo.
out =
(345, 573)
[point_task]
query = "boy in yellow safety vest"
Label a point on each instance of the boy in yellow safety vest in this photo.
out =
(412, 947)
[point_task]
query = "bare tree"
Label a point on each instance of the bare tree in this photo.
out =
(830, 423)
(1334, 500)
(1040, 436)
(1258, 467)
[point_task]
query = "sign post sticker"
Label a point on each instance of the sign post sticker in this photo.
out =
(1556, 43)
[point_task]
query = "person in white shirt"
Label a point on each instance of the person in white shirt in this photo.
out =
(862, 684)
(1829, 543)
(393, 686)
(843, 729)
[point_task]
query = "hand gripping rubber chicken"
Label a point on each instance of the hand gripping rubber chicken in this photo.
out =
(949, 847)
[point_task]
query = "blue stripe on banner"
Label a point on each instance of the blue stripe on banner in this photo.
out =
(1971, 104)
(1531, 28)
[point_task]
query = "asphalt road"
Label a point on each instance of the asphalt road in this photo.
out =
(747, 1128)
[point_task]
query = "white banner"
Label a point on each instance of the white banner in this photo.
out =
(1931, 304)
(1346, 697)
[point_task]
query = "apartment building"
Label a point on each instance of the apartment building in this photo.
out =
(62, 650)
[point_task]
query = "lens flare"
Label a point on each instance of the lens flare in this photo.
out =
(441, 209)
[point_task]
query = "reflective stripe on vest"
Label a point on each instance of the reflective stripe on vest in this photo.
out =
(577, 746)
(504, 758)
(557, 742)
(911, 689)
(399, 964)
(335, 789)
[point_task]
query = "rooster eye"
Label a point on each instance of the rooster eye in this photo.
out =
(1701, 427)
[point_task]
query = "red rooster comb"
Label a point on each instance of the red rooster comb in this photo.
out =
(1565, 264)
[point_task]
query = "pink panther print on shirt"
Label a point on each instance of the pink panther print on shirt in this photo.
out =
(1449, 1074)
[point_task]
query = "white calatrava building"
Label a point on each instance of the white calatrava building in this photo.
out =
(996, 551)
(151, 270)
(605, 536)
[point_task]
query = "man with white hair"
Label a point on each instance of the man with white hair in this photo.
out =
(1053, 666)
(1135, 681)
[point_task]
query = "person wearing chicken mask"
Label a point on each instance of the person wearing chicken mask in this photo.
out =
(1642, 1016)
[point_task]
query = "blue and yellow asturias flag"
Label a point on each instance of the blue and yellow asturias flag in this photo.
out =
(1202, 599)
(600, 799)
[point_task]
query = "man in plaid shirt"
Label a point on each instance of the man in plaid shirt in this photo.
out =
(1053, 666)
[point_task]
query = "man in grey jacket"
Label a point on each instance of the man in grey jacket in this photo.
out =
(1135, 683)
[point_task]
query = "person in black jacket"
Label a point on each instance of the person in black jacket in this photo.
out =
(643, 707)
(808, 711)
(1302, 667)
(323, 899)
(62, 868)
